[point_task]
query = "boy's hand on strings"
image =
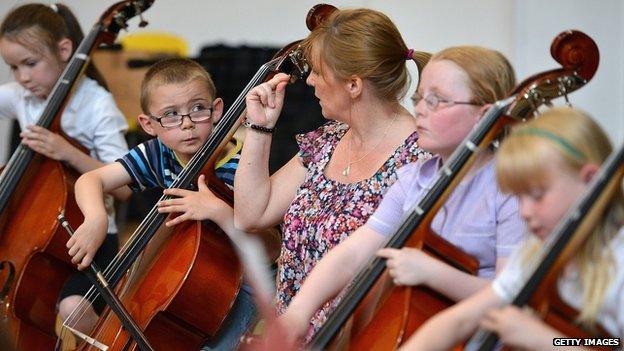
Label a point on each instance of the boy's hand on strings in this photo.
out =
(47, 143)
(264, 102)
(87, 239)
(407, 266)
(518, 328)
(194, 205)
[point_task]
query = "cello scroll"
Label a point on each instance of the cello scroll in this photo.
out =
(116, 17)
(578, 54)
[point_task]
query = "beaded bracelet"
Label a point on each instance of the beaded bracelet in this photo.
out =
(257, 127)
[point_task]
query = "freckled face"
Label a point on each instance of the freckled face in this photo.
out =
(442, 130)
(171, 99)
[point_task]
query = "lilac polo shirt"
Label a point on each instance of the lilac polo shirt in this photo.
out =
(477, 217)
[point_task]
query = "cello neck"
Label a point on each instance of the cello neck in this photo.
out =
(68, 79)
(564, 240)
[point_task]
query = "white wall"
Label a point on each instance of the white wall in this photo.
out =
(520, 29)
(538, 21)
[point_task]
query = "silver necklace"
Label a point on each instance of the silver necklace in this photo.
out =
(347, 169)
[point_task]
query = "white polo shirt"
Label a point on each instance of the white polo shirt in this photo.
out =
(611, 314)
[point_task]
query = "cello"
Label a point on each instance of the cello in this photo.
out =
(32, 189)
(539, 289)
(374, 314)
(183, 282)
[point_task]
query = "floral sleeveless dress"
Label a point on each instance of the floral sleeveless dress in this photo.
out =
(325, 212)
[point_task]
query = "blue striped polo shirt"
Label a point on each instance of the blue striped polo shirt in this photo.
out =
(153, 165)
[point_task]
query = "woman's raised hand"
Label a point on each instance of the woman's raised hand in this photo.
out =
(264, 102)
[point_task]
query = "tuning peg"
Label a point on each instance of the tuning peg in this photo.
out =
(138, 9)
(121, 22)
(143, 22)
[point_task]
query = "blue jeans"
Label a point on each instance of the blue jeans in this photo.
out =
(235, 324)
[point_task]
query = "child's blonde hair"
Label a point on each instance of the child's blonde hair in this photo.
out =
(576, 139)
(173, 71)
(491, 76)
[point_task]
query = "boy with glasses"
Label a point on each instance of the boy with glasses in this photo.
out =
(180, 109)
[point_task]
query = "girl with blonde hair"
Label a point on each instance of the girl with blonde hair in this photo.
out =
(547, 163)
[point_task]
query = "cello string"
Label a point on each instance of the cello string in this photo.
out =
(86, 302)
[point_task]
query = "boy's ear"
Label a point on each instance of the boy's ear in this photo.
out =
(588, 172)
(217, 110)
(147, 124)
(65, 48)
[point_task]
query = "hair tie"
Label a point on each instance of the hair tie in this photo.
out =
(54, 7)
(409, 54)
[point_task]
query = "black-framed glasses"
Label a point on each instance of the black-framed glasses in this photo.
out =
(433, 101)
(175, 119)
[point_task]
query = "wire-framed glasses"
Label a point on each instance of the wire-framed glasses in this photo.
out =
(433, 101)
(175, 119)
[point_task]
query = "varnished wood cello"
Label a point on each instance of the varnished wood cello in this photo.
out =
(185, 281)
(539, 289)
(33, 189)
(382, 316)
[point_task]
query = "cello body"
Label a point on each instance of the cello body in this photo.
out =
(33, 253)
(179, 291)
(403, 309)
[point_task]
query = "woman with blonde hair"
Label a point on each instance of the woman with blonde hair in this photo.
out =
(547, 163)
